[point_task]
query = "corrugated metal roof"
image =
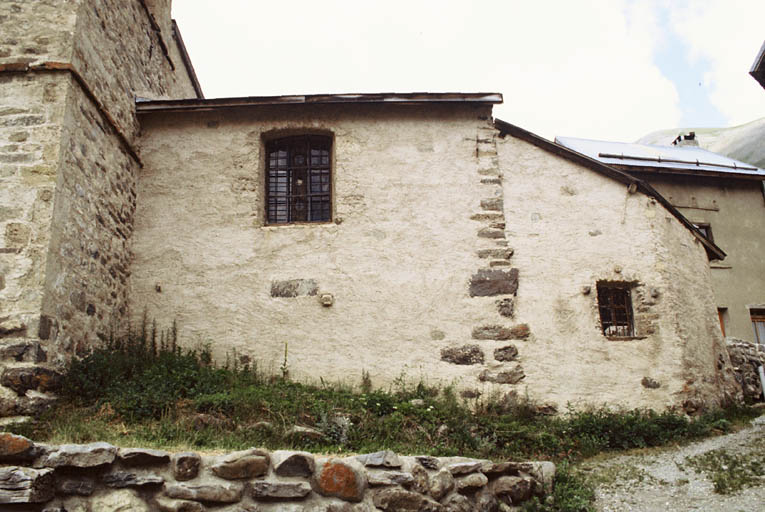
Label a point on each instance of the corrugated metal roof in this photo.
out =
(669, 158)
(297, 99)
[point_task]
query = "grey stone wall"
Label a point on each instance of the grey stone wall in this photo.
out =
(85, 290)
(69, 75)
(99, 477)
(746, 358)
(31, 116)
(121, 55)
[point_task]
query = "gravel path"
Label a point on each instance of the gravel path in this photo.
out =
(670, 480)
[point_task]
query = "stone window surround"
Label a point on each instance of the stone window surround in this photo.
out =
(282, 133)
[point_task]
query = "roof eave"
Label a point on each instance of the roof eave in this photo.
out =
(689, 172)
(187, 61)
(416, 98)
(713, 252)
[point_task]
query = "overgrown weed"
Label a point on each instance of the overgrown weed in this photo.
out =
(147, 391)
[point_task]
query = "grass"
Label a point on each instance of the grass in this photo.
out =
(148, 392)
(731, 472)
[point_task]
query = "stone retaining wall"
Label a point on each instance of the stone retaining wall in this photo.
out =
(101, 477)
(746, 358)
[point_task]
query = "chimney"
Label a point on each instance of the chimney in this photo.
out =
(686, 140)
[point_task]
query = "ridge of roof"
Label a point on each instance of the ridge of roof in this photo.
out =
(713, 251)
(489, 98)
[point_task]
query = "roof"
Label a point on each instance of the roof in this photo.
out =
(187, 61)
(758, 68)
(712, 250)
(667, 159)
(414, 98)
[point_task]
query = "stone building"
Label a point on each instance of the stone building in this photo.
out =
(406, 235)
(725, 198)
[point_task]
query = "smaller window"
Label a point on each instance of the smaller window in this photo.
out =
(758, 324)
(722, 314)
(615, 306)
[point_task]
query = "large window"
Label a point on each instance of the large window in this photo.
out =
(758, 323)
(615, 305)
(298, 179)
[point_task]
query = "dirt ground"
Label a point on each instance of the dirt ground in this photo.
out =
(725, 473)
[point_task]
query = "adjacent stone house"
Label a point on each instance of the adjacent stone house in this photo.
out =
(411, 236)
(725, 198)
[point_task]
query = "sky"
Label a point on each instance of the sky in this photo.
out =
(602, 69)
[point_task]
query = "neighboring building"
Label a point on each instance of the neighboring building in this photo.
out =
(758, 68)
(725, 198)
(407, 235)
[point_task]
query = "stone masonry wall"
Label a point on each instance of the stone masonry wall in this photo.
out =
(69, 75)
(32, 110)
(99, 477)
(121, 55)
(86, 292)
(746, 358)
(571, 228)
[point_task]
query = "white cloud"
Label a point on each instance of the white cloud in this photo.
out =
(565, 68)
(727, 35)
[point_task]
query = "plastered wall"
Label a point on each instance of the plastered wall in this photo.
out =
(419, 225)
(396, 258)
(570, 228)
(735, 210)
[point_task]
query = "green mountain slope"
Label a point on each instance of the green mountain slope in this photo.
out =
(745, 142)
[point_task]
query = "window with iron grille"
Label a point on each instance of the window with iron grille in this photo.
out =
(615, 305)
(298, 179)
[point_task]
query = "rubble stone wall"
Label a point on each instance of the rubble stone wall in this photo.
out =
(69, 75)
(32, 110)
(746, 357)
(122, 53)
(99, 477)
(86, 282)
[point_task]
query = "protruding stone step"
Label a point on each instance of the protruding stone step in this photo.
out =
(22, 378)
(25, 485)
(213, 493)
(81, 455)
(22, 350)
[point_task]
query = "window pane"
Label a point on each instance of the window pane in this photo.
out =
(298, 179)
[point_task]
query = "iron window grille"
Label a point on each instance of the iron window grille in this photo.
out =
(298, 179)
(615, 305)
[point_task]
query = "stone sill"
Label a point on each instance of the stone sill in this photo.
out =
(299, 225)
(625, 338)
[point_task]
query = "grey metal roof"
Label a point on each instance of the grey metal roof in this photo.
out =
(299, 99)
(682, 159)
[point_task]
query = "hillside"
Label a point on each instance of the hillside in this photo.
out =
(745, 142)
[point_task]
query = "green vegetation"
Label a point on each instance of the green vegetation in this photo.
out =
(731, 472)
(148, 392)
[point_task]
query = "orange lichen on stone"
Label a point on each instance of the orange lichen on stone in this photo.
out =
(12, 445)
(341, 480)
